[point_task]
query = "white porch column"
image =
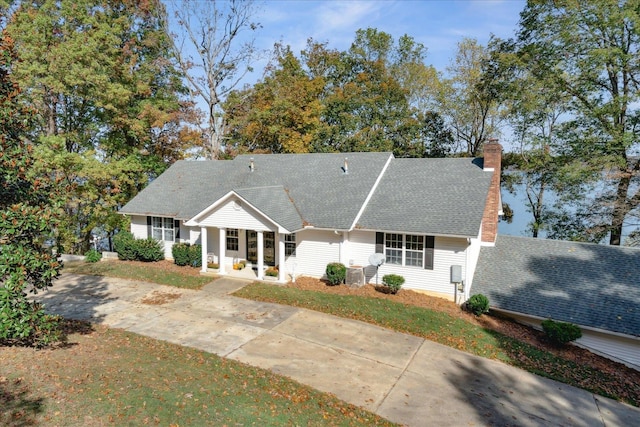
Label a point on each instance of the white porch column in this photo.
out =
(260, 248)
(203, 243)
(222, 243)
(281, 266)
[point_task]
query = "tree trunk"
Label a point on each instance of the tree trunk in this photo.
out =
(620, 209)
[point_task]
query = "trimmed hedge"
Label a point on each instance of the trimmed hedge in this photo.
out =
(561, 332)
(393, 281)
(336, 273)
(478, 304)
(125, 245)
(187, 254)
(149, 250)
(131, 249)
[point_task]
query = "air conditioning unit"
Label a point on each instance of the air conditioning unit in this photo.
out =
(355, 276)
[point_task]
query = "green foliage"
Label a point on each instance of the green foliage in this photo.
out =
(125, 245)
(27, 220)
(561, 332)
(131, 249)
(195, 255)
(25, 323)
(478, 304)
(466, 101)
(121, 121)
(373, 97)
(393, 281)
(589, 85)
(93, 256)
(181, 253)
(149, 249)
(336, 273)
(187, 254)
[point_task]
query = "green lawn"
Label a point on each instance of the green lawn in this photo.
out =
(140, 271)
(111, 377)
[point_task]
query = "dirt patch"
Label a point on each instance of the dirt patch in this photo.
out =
(503, 325)
(160, 298)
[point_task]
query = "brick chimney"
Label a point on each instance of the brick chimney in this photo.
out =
(493, 206)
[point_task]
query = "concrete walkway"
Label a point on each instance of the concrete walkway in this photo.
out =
(400, 377)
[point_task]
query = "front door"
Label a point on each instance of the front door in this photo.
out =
(268, 250)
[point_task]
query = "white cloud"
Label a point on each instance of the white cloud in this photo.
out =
(340, 16)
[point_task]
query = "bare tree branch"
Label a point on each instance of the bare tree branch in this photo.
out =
(214, 46)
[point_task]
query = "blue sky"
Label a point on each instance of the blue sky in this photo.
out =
(437, 24)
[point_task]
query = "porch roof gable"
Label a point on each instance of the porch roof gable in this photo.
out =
(272, 202)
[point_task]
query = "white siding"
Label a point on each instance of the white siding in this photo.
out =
(623, 349)
(315, 249)
(448, 251)
(360, 247)
(139, 226)
(237, 214)
(193, 234)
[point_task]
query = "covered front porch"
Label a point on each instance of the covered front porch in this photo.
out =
(257, 250)
(247, 273)
(234, 229)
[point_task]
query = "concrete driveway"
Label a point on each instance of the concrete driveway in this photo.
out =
(401, 377)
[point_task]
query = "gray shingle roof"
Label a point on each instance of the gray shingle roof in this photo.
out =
(324, 196)
(433, 196)
(275, 203)
(586, 284)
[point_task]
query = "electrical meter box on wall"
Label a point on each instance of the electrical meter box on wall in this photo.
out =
(456, 273)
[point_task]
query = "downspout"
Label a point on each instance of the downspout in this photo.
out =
(465, 284)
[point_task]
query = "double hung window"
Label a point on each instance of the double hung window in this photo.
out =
(232, 239)
(409, 250)
(162, 229)
(290, 244)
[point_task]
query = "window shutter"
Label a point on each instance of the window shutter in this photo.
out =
(176, 228)
(379, 243)
(148, 226)
(428, 252)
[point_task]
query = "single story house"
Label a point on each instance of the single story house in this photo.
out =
(596, 287)
(299, 212)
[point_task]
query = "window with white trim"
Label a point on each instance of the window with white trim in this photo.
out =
(290, 244)
(393, 248)
(232, 239)
(414, 250)
(162, 229)
(409, 250)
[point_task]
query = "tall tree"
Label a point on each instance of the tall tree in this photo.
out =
(588, 52)
(534, 112)
(285, 109)
(107, 100)
(27, 220)
(466, 103)
(215, 49)
(332, 101)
